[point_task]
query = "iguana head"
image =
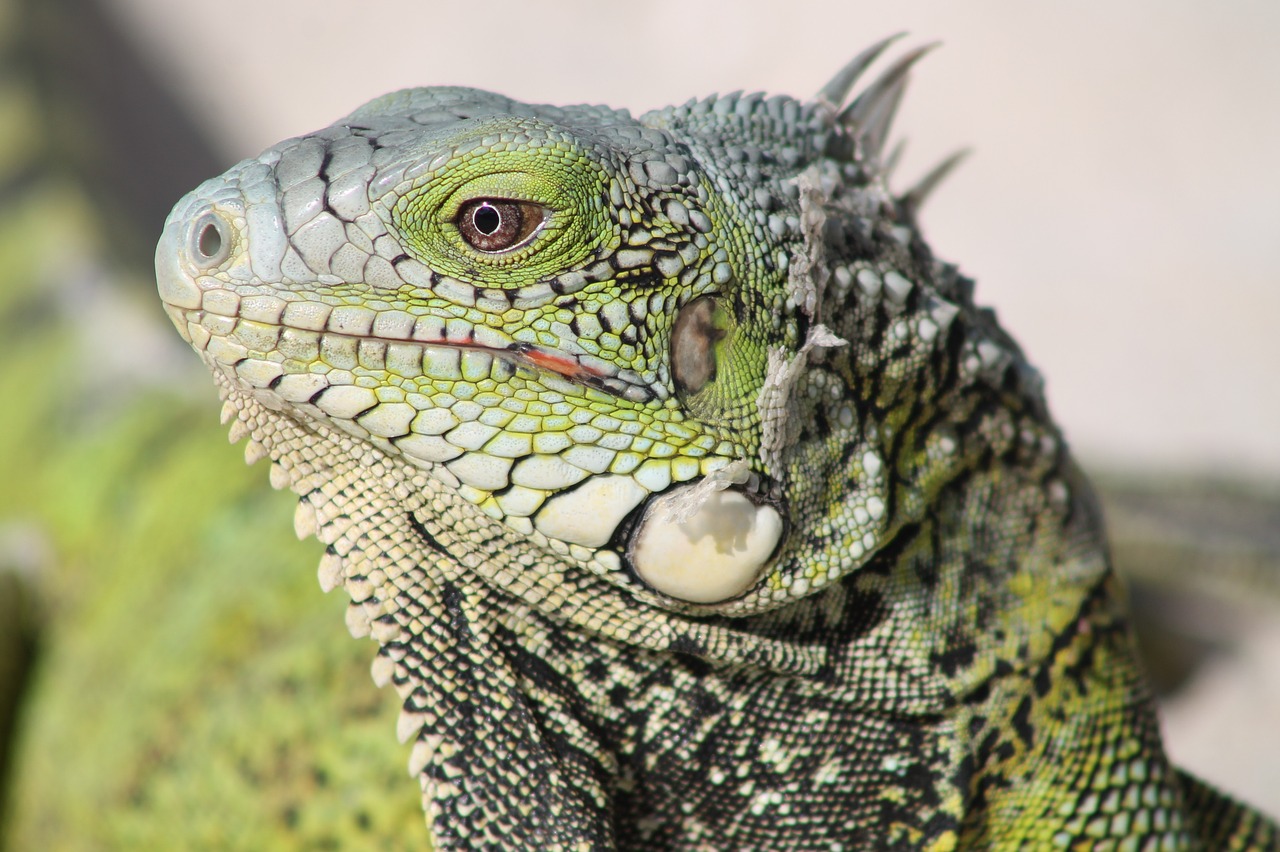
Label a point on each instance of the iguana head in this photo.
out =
(689, 352)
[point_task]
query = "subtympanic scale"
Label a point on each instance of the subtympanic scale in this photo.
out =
(715, 554)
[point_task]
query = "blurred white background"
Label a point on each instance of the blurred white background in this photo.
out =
(1121, 209)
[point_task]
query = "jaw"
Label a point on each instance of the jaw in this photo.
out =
(578, 504)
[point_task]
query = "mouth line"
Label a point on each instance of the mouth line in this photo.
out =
(573, 368)
(569, 367)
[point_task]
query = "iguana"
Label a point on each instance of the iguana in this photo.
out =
(692, 501)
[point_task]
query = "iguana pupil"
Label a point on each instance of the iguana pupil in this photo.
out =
(495, 225)
(487, 219)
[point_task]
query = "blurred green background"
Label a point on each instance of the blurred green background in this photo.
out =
(168, 666)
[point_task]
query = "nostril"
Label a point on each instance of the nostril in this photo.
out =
(210, 240)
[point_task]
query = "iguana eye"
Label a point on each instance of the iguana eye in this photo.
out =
(498, 224)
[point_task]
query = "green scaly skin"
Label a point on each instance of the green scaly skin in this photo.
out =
(714, 333)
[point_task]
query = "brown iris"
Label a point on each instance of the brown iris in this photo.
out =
(498, 224)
